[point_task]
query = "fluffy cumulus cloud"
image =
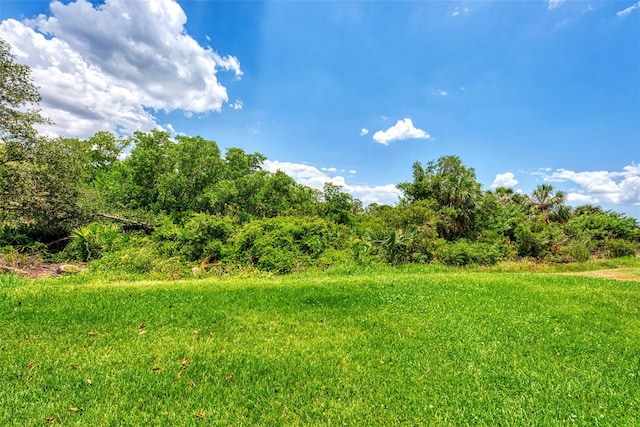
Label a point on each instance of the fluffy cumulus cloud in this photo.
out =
(617, 188)
(364, 131)
(581, 199)
(403, 129)
(112, 65)
(316, 178)
(506, 180)
(628, 10)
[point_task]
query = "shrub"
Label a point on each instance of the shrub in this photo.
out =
(604, 226)
(394, 245)
(205, 237)
(616, 248)
(527, 242)
(93, 241)
(286, 244)
(574, 252)
(202, 238)
(133, 260)
(462, 252)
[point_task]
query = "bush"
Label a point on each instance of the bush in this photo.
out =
(527, 242)
(394, 246)
(575, 252)
(202, 238)
(617, 248)
(604, 226)
(205, 237)
(286, 244)
(133, 260)
(462, 252)
(93, 241)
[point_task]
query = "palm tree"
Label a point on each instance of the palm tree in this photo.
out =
(550, 204)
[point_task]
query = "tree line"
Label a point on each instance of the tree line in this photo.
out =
(155, 202)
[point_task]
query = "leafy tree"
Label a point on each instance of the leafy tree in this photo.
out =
(240, 164)
(501, 211)
(38, 176)
(452, 187)
(105, 151)
(40, 192)
(18, 94)
(194, 164)
(338, 205)
(142, 170)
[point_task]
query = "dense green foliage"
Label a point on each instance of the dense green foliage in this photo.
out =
(155, 202)
(420, 345)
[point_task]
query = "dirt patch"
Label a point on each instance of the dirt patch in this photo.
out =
(41, 270)
(632, 274)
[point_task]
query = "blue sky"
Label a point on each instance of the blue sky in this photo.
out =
(525, 92)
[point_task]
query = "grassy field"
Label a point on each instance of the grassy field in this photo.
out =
(413, 346)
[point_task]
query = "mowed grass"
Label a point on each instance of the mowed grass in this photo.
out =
(387, 347)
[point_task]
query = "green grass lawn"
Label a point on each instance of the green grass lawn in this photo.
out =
(415, 346)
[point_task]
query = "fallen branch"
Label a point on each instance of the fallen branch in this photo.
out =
(129, 224)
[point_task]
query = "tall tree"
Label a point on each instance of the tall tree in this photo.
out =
(453, 189)
(18, 96)
(38, 176)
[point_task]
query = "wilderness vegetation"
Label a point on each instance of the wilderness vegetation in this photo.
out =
(377, 329)
(156, 203)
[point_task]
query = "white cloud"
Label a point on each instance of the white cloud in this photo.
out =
(628, 10)
(458, 10)
(579, 198)
(316, 178)
(403, 129)
(364, 131)
(353, 171)
(618, 188)
(382, 194)
(555, 3)
(109, 67)
(237, 105)
(441, 92)
(506, 180)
